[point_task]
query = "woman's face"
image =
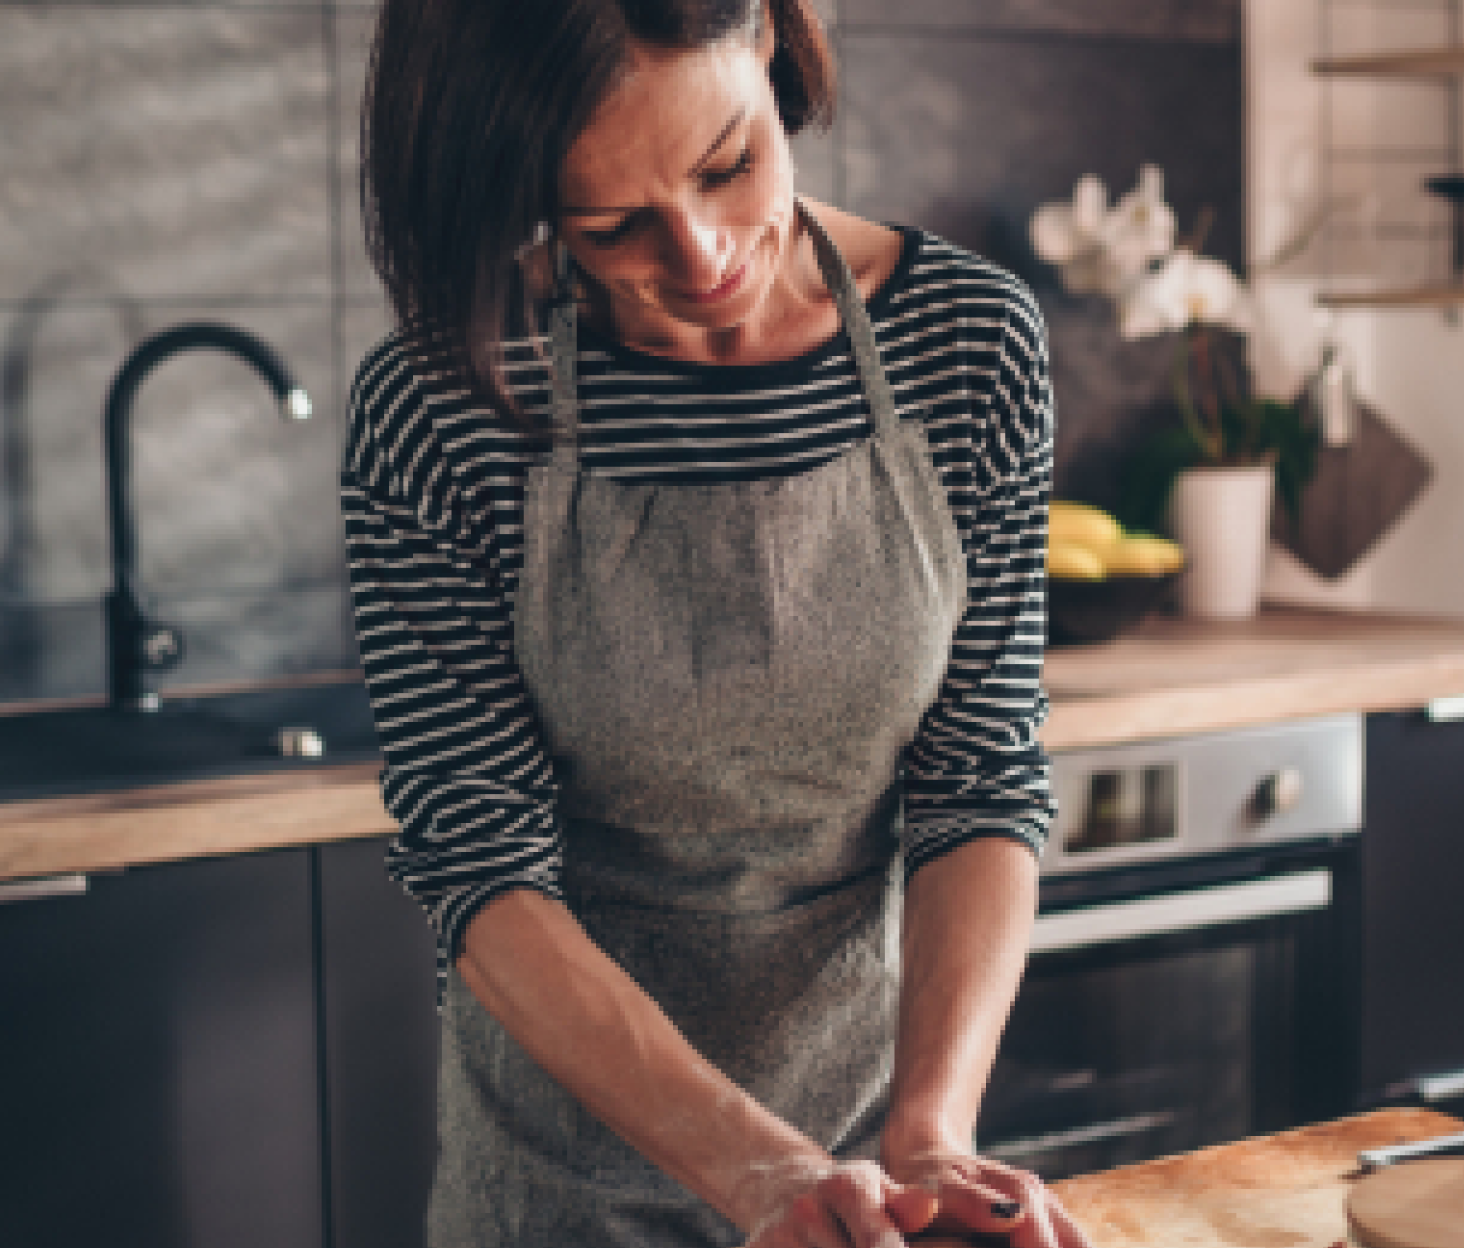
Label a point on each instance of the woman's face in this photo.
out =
(678, 196)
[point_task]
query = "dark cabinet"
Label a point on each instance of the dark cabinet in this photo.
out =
(220, 1053)
(381, 1035)
(1413, 919)
(159, 1050)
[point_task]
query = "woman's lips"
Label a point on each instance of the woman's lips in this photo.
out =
(718, 293)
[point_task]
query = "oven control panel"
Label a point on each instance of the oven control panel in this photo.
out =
(1207, 792)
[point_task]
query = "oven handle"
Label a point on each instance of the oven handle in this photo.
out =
(42, 888)
(1183, 911)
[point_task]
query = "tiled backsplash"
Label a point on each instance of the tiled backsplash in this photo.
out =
(179, 161)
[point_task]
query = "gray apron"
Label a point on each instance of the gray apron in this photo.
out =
(726, 675)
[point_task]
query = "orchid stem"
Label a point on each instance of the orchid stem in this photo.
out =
(1185, 398)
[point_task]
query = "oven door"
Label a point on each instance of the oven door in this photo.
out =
(1174, 1006)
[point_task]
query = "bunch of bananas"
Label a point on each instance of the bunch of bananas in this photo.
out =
(1085, 543)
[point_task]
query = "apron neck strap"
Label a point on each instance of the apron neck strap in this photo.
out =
(564, 352)
(855, 317)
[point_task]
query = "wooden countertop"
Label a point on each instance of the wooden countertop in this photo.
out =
(1176, 676)
(1278, 1191)
(1171, 677)
(110, 831)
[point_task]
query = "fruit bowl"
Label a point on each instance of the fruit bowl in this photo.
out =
(1082, 612)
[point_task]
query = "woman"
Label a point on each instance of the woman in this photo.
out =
(684, 655)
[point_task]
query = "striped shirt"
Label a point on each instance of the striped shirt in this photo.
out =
(433, 494)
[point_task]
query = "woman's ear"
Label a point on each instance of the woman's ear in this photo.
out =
(536, 262)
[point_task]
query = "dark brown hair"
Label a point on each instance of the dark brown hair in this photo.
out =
(471, 107)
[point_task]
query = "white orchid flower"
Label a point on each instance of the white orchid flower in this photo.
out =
(1184, 289)
(1097, 249)
(1063, 230)
(1070, 235)
(1139, 230)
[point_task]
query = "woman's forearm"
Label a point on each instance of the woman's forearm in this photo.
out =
(607, 1043)
(967, 924)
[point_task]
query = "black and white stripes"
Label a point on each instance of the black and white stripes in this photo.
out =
(432, 492)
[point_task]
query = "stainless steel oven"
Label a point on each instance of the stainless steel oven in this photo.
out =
(1194, 967)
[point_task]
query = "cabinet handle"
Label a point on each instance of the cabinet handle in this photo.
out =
(1074, 1137)
(1445, 710)
(1183, 911)
(40, 889)
(1443, 1087)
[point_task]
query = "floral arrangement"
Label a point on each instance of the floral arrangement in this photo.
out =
(1129, 252)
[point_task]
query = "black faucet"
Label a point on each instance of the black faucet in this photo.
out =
(136, 644)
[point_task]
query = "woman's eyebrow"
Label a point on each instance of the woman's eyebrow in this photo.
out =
(732, 125)
(721, 138)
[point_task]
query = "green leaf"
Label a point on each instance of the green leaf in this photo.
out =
(1148, 477)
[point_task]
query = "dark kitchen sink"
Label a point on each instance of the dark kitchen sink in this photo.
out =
(90, 750)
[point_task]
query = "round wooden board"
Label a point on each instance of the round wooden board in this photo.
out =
(1416, 1204)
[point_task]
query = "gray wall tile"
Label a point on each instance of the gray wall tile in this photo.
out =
(364, 323)
(816, 165)
(1204, 20)
(178, 152)
(967, 139)
(51, 653)
(313, 6)
(353, 31)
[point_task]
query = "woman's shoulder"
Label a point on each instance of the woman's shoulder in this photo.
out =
(412, 415)
(961, 317)
(967, 282)
(412, 374)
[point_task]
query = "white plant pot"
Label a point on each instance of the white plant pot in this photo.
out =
(1222, 516)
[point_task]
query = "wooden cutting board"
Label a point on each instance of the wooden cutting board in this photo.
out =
(1280, 1191)
(1417, 1204)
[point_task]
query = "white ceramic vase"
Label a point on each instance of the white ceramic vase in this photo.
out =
(1222, 516)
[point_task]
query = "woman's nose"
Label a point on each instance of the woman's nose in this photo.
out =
(699, 251)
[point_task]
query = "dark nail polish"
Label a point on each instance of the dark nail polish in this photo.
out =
(1005, 1209)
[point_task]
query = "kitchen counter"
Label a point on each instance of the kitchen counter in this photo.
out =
(1279, 1191)
(1171, 677)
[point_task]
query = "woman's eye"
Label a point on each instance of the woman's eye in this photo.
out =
(712, 179)
(608, 238)
(720, 177)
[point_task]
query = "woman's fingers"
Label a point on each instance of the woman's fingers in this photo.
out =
(1069, 1233)
(977, 1195)
(859, 1206)
(980, 1195)
(813, 1222)
(911, 1209)
(856, 1206)
(859, 1194)
(984, 1205)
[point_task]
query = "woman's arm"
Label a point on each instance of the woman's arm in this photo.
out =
(967, 925)
(596, 1032)
(967, 922)
(978, 803)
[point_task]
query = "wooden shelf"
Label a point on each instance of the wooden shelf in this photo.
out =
(1426, 62)
(1439, 296)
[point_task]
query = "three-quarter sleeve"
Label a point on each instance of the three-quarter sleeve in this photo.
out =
(466, 775)
(977, 767)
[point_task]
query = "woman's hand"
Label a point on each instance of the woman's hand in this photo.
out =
(853, 1205)
(977, 1194)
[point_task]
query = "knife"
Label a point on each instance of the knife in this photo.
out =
(1439, 1146)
